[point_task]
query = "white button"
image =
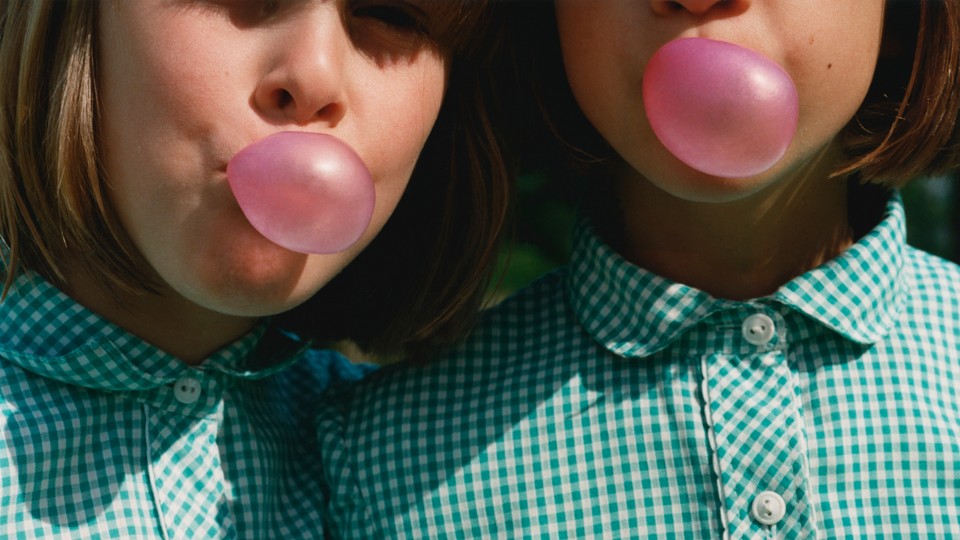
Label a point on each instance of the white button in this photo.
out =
(768, 508)
(758, 329)
(186, 390)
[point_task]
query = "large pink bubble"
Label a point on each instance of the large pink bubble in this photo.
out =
(720, 108)
(307, 192)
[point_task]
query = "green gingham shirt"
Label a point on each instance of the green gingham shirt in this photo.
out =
(607, 402)
(104, 436)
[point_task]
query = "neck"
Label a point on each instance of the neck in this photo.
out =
(737, 250)
(168, 321)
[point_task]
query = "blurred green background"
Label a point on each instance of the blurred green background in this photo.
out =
(544, 220)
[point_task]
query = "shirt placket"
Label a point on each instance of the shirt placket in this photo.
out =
(755, 427)
(189, 490)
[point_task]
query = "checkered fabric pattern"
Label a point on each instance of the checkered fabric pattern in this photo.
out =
(607, 402)
(104, 436)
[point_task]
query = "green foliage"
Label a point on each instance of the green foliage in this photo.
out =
(932, 206)
(541, 240)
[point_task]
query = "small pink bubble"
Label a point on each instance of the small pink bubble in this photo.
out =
(307, 192)
(722, 109)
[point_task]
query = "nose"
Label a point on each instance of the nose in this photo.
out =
(303, 80)
(694, 7)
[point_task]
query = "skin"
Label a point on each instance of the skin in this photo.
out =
(734, 238)
(185, 84)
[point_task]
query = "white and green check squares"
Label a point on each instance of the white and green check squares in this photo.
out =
(607, 402)
(97, 442)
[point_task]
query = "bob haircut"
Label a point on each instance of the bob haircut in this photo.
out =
(422, 279)
(906, 128)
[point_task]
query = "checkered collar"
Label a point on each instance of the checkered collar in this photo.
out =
(48, 333)
(635, 313)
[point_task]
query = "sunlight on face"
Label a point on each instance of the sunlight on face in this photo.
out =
(186, 84)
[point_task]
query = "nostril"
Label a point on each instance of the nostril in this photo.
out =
(284, 98)
(666, 7)
(699, 7)
(288, 103)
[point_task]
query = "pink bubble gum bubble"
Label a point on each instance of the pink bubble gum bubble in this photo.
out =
(307, 192)
(720, 108)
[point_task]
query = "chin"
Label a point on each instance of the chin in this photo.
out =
(716, 190)
(245, 298)
(254, 282)
(254, 306)
(681, 182)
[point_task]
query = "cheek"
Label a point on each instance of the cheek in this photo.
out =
(834, 68)
(147, 84)
(406, 117)
(829, 103)
(602, 57)
(603, 60)
(588, 73)
(423, 99)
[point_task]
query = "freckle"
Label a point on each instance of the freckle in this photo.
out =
(829, 66)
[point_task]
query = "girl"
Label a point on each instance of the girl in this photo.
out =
(144, 390)
(747, 357)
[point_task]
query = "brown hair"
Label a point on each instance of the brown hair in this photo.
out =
(424, 276)
(907, 126)
(52, 197)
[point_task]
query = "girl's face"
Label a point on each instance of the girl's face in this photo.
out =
(185, 84)
(828, 47)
